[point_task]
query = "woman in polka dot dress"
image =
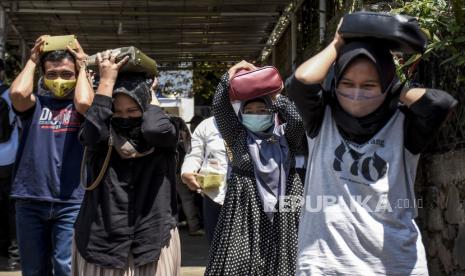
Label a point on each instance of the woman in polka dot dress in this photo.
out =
(256, 234)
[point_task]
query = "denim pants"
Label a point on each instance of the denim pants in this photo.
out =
(8, 244)
(45, 234)
(211, 212)
(188, 205)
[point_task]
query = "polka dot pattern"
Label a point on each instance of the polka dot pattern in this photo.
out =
(246, 241)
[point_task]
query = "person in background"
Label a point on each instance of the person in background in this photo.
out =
(208, 155)
(194, 122)
(46, 185)
(127, 222)
(186, 196)
(365, 136)
(9, 139)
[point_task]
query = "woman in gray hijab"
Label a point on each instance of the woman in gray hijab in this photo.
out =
(256, 234)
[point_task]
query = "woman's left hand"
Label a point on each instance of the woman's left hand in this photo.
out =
(274, 97)
(154, 85)
(153, 90)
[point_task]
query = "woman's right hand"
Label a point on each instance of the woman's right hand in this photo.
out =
(37, 49)
(243, 65)
(338, 40)
(108, 67)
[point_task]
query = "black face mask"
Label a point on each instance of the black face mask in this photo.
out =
(131, 129)
(126, 127)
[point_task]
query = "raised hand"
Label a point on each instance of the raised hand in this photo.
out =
(79, 55)
(243, 65)
(37, 49)
(338, 40)
(108, 67)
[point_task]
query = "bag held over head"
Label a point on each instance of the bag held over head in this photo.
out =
(54, 43)
(247, 85)
(138, 62)
(402, 33)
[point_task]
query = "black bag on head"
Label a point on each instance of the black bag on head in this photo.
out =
(401, 33)
(6, 128)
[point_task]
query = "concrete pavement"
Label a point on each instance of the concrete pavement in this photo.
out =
(193, 259)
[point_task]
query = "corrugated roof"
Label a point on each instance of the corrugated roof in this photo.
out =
(170, 31)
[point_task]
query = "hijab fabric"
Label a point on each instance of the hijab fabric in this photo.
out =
(134, 87)
(127, 132)
(362, 129)
(269, 151)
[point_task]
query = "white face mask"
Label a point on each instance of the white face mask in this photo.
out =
(359, 102)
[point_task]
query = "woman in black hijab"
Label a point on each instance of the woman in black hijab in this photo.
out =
(127, 221)
(365, 134)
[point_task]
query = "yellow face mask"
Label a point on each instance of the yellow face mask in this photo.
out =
(60, 87)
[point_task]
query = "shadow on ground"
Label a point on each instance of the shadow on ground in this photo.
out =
(194, 249)
(193, 259)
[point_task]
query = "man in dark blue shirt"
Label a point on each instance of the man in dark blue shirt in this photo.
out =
(46, 185)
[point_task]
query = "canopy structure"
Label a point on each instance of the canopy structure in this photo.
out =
(171, 31)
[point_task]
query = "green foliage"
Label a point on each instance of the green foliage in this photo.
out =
(206, 78)
(444, 65)
(443, 22)
(12, 63)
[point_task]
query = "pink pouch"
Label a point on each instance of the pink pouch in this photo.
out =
(247, 85)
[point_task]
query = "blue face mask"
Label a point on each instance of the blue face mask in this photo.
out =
(257, 122)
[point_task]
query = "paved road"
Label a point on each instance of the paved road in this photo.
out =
(194, 256)
(185, 271)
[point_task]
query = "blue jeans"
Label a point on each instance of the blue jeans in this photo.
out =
(211, 212)
(45, 234)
